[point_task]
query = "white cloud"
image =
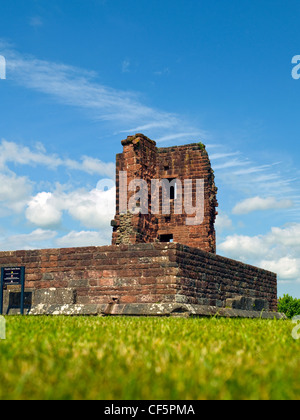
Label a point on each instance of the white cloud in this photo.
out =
(35, 21)
(14, 191)
(44, 210)
(223, 222)
(92, 166)
(43, 238)
(257, 203)
(15, 153)
(125, 66)
(278, 250)
(288, 236)
(93, 209)
(215, 156)
(37, 239)
(252, 170)
(11, 152)
(286, 267)
(243, 247)
(165, 71)
(84, 238)
(185, 135)
(230, 163)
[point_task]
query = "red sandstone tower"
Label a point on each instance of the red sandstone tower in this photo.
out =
(143, 276)
(182, 166)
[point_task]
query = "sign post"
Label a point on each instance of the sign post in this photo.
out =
(12, 276)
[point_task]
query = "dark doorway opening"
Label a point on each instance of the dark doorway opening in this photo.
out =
(166, 238)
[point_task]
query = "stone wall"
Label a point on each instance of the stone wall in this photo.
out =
(209, 279)
(140, 273)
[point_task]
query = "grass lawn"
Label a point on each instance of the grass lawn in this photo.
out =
(148, 358)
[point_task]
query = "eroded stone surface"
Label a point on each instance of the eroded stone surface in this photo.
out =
(247, 303)
(167, 309)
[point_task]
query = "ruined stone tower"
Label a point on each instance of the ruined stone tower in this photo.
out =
(141, 273)
(182, 166)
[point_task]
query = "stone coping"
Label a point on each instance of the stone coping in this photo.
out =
(148, 309)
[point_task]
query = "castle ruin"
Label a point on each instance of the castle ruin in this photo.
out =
(160, 262)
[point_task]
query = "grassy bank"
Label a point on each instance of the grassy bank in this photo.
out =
(148, 358)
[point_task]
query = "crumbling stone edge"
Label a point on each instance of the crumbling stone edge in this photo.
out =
(150, 309)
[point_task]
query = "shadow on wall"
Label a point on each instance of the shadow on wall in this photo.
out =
(14, 301)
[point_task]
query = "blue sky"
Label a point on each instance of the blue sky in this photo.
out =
(81, 75)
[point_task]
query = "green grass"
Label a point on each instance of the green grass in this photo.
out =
(148, 358)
